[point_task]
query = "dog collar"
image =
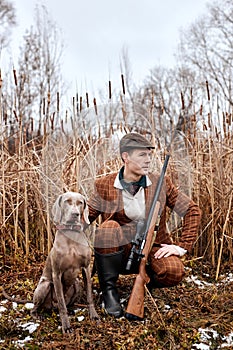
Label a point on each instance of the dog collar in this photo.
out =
(70, 227)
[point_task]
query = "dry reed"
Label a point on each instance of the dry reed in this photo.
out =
(75, 149)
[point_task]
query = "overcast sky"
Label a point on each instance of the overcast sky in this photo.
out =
(96, 31)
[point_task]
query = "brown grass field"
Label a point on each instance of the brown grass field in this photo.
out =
(67, 151)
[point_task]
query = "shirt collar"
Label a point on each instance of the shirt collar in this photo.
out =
(118, 180)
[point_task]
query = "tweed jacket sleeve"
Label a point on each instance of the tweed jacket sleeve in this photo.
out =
(188, 210)
(171, 197)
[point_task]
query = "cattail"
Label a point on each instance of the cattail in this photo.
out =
(182, 100)
(62, 126)
(16, 117)
(52, 121)
(208, 91)
(95, 105)
(32, 124)
(43, 106)
(112, 129)
(109, 90)
(87, 99)
(123, 84)
(45, 128)
(80, 103)
(228, 118)
(201, 110)
(15, 77)
(77, 101)
(49, 98)
(58, 102)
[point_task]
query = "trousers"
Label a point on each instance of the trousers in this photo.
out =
(110, 238)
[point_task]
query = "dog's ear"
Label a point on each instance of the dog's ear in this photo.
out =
(56, 210)
(86, 212)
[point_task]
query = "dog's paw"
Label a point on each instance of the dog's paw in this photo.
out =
(67, 330)
(94, 315)
(66, 327)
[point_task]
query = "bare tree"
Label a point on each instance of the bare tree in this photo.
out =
(39, 74)
(7, 21)
(207, 47)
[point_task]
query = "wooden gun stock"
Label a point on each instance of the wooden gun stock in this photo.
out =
(135, 307)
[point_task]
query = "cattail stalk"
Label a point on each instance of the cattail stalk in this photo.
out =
(226, 223)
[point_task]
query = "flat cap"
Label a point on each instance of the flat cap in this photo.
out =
(134, 140)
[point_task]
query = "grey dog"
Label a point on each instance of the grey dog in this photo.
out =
(70, 254)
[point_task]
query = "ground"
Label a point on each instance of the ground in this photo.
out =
(197, 314)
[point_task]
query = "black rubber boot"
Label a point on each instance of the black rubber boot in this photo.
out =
(108, 268)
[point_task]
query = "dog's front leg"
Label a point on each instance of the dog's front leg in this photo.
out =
(92, 310)
(66, 328)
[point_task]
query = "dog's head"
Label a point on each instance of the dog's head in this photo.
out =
(70, 208)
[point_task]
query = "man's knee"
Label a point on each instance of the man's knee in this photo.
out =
(167, 272)
(108, 237)
(109, 224)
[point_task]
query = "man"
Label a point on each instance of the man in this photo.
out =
(122, 200)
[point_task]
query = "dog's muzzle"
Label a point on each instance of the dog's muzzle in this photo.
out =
(70, 227)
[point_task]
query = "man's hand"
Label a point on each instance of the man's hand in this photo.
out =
(167, 250)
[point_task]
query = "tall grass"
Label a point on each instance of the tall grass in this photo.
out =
(76, 147)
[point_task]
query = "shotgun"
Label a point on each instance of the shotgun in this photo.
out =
(141, 247)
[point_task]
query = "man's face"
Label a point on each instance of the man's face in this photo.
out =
(137, 161)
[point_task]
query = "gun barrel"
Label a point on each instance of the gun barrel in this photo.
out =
(135, 308)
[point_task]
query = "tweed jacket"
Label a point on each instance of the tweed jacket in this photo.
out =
(107, 202)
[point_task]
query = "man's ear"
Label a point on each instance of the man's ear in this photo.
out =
(125, 156)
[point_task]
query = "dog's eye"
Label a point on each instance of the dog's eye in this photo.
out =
(69, 201)
(78, 202)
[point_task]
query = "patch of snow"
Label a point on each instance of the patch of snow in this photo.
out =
(197, 281)
(201, 346)
(208, 333)
(20, 343)
(228, 278)
(228, 340)
(14, 305)
(80, 318)
(30, 326)
(29, 306)
(206, 337)
(206, 274)
(2, 309)
(167, 307)
(77, 310)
